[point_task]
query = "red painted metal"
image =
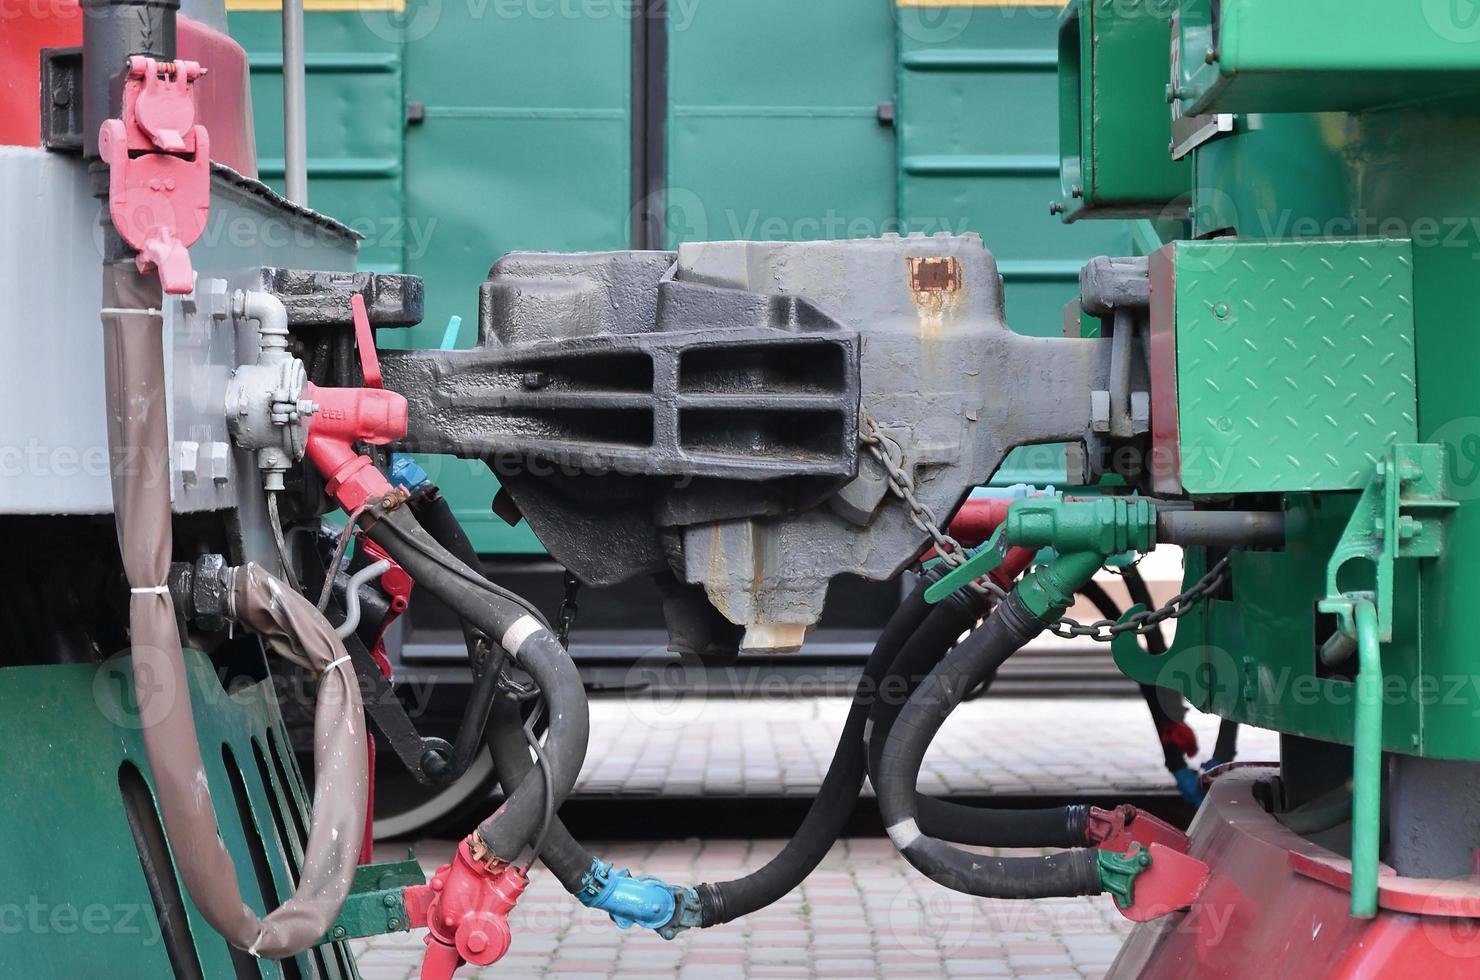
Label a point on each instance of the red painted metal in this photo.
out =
(1275, 906)
(159, 169)
(465, 910)
(1126, 826)
(1166, 453)
(1172, 882)
(396, 584)
(223, 99)
(349, 415)
(24, 31)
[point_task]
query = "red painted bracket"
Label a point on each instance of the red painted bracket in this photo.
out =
(1126, 826)
(1172, 882)
(159, 169)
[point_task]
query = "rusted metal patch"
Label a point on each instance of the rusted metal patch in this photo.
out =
(935, 274)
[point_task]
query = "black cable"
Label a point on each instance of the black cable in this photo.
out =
(276, 524)
(543, 761)
(1172, 756)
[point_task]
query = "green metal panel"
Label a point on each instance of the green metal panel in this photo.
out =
(1114, 124)
(1322, 55)
(526, 144)
(1294, 362)
(1254, 659)
(773, 129)
(355, 109)
(68, 730)
(977, 143)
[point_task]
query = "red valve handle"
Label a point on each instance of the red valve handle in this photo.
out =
(365, 340)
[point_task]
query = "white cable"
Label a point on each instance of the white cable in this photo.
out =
(151, 590)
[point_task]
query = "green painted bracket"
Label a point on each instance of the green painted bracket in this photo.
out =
(1399, 515)
(1184, 667)
(1118, 874)
(374, 906)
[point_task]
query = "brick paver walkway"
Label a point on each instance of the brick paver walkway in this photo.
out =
(864, 913)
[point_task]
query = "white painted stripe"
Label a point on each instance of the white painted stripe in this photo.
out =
(524, 627)
(904, 833)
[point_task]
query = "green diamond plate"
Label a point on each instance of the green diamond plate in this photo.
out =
(1295, 364)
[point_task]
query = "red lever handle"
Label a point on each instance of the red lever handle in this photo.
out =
(365, 340)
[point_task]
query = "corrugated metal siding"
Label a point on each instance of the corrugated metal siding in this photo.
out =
(978, 144)
(773, 129)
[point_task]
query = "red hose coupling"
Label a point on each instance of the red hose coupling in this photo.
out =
(465, 908)
(345, 416)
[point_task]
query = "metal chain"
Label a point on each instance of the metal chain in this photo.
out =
(902, 484)
(566, 617)
(890, 455)
(1147, 620)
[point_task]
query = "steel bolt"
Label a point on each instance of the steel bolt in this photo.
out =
(390, 901)
(340, 932)
(1076, 191)
(1210, 55)
(392, 923)
(1054, 207)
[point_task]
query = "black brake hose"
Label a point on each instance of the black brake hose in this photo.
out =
(722, 902)
(512, 827)
(1066, 873)
(1064, 826)
(726, 901)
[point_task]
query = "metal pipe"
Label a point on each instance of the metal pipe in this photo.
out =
(295, 106)
(352, 596)
(1366, 764)
(1221, 528)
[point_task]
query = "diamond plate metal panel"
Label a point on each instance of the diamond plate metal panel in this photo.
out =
(1295, 364)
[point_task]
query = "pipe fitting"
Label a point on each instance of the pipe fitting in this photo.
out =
(265, 408)
(648, 902)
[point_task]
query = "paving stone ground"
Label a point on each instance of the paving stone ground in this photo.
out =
(864, 913)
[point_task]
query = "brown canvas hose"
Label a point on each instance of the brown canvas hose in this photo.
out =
(139, 453)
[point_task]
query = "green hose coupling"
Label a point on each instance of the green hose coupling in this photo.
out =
(1083, 530)
(1105, 525)
(1048, 590)
(1118, 873)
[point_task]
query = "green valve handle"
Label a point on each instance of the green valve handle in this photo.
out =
(1118, 873)
(988, 557)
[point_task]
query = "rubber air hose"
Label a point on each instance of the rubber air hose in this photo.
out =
(1066, 873)
(1064, 826)
(511, 828)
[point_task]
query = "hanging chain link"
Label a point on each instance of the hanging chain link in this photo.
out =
(566, 617)
(890, 455)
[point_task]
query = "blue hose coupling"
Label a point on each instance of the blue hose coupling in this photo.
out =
(646, 901)
(1189, 784)
(407, 473)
